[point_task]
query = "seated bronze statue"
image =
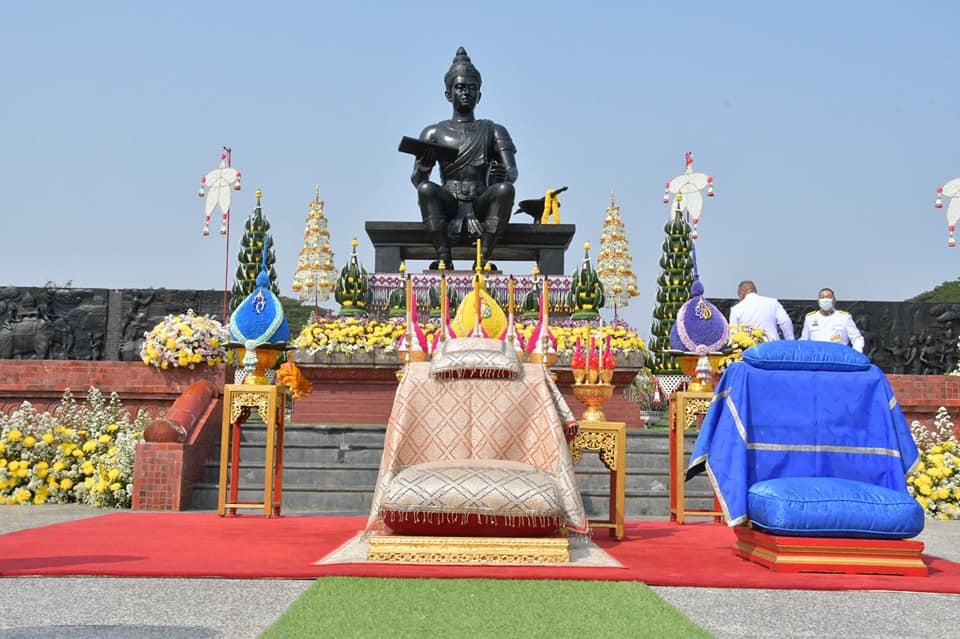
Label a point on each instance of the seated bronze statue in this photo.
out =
(477, 170)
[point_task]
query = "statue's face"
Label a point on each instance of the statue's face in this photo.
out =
(464, 93)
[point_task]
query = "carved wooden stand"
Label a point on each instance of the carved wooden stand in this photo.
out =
(238, 401)
(609, 439)
(686, 411)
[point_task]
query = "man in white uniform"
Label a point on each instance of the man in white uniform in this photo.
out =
(831, 325)
(765, 313)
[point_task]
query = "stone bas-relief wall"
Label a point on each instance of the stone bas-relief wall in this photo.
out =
(90, 323)
(910, 338)
(902, 338)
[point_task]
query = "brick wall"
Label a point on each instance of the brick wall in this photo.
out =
(42, 382)
(343, 395)
(920, 396)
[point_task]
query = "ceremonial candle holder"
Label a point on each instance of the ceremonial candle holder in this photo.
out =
(593, 396)
(579, 375)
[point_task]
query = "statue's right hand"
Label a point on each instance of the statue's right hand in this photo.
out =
(427, 159)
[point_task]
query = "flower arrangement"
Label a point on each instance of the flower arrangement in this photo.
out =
(935, 483)
(643, 392)
(82, 453)
(290, 376)
(353, 335)
(742, 337)
(186, 340)
(623, 338)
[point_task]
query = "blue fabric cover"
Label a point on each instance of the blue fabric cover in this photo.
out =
(805, 355)
(767, 424)
(832, 507)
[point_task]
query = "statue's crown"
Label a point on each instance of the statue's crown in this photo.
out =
(462, 66)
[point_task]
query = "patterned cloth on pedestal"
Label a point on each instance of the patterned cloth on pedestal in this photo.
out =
(515, 420)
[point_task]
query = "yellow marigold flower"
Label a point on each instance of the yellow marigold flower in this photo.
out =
(943, 492)
(66, 483)
(47, 438)
(59, 429)
(23, 495)
(171, 343)
(58, 466)
(115, 486)
(87, 467)
(104, 439)
(101, 486)
(89, 446)
(925, 490)
(13, 466)
(942, 515)
(3, 448)
(77, 452)
(112, 428)
(3, 462)
(41, 496)
(88, 483)
(29, 441)
(14, 435)
(112, 451)
(113, 473)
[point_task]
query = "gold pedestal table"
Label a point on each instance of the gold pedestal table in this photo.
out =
(687, 410)
(238, 402)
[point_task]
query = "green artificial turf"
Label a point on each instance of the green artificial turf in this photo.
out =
(476, 608)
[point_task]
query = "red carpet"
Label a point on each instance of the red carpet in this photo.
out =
(129, 544)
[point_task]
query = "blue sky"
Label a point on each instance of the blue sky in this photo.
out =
(827, 128)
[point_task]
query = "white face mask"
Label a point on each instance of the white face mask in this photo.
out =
(826, 304)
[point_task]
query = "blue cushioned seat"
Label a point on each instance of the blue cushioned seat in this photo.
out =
(832, 507)
(805, 355)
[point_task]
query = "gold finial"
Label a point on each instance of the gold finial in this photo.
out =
(586, 246)
(612, 203)
(442, 266)
(487, 267)
(478, 257)
(354, 243)
(536, 269)
(258, 194)
(316, 193)
(403, 267)
(679, 197)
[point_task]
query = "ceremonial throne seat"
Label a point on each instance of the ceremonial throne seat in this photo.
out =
(475, 449)
(808, 452)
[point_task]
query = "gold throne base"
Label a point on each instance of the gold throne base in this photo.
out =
(415, 549)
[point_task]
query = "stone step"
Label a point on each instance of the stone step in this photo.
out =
(348, 453)
(357, 502)
(332, 469)
(344, 501)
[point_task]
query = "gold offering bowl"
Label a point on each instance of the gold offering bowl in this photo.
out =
(415, 356)
(700, 382)
(594, 396)
(547, 360)
(266, 358)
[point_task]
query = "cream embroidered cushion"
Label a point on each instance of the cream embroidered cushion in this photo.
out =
(475, 357)
(473, 497)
